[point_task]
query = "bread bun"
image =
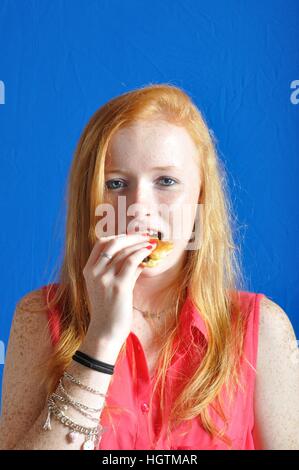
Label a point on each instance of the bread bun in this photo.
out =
(163, 247)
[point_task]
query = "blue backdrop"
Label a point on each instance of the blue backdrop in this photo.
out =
(61, 60)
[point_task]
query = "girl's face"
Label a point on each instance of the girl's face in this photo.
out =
(154, 167)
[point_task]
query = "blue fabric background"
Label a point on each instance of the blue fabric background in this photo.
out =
(61, 60)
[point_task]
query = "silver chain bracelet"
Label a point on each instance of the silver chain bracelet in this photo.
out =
(65, 407)
(77, 404)
(70, 377)
(92, 434)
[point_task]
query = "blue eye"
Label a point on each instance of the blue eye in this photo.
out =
(169, 179)
(111, 183)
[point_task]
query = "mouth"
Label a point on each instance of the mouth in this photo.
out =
(155, 233)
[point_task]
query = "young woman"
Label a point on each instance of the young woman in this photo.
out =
(120, 355)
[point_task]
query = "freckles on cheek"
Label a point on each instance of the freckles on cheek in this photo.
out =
(182, 214)
(185, 198)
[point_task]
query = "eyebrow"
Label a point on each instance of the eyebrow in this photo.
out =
(169, 167)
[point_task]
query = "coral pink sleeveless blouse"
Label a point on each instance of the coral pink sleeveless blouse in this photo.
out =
(131, 385)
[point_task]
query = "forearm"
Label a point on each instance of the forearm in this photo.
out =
(38, 438)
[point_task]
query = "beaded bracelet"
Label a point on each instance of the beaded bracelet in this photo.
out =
(92, 434)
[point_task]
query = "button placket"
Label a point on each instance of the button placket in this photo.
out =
(143, 390)
(144, 407)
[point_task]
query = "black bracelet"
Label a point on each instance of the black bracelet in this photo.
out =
(95, 361)
(91, 365)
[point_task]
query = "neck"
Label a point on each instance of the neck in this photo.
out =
(158, 292)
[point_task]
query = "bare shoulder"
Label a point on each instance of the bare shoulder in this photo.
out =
(30, 313)
(274, 321)
(277, 380)
(29, 329)
(277, 340)
(23, 395)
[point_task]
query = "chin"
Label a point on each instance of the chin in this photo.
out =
(150, 272)
(164, 265)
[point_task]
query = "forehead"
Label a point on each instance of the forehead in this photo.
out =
(150, 144)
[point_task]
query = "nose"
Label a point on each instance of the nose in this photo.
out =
(141, 194)
(141, 200)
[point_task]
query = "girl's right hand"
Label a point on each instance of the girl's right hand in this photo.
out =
(110, 283)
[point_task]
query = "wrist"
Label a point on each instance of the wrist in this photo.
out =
(101, 348)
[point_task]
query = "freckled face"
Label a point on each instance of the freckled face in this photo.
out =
(165, 197)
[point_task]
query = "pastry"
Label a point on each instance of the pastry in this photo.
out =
(163, 247)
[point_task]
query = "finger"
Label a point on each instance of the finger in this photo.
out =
(96, 249)
(104, 243)
(116, 263)
(105, 265)
(132, 262)
(114, 246)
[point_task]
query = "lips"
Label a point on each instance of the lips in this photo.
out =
(154, 233)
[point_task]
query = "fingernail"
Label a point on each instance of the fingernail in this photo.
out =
(149, 247)
(153, 240)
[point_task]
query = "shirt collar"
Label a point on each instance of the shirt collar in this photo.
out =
(191, 316)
